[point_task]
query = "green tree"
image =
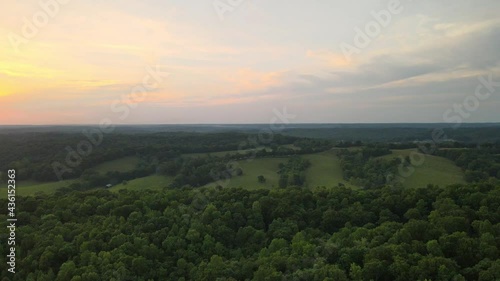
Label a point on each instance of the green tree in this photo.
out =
(261, 179)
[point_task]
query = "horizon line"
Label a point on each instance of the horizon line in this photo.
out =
(243, 124)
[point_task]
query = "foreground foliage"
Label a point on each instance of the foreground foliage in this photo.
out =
(431, 233)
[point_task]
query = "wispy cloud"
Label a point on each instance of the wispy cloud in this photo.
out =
(93, 52)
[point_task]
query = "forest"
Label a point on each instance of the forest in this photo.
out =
(300, 209)
(338, 233)
(239, 140)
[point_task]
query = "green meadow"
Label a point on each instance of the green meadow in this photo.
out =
(30, 188)
(325, 171)
(432, 170)
(154, 182)
(252, 168)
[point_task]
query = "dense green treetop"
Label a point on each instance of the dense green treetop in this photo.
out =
(337, 233)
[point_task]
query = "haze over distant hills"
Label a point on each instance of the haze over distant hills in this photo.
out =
(467, 132)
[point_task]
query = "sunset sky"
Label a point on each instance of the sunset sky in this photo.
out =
(237, 65)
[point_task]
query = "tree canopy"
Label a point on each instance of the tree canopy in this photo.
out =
(337, 233)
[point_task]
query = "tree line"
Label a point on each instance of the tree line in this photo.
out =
(479, 163)
(32, 154)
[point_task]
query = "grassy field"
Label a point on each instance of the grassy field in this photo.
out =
(154, 182)
(434, 170)
(325, 170)
(29, 188)
(124, 164)
(267, 167)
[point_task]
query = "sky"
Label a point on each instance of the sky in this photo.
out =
(242, 61)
